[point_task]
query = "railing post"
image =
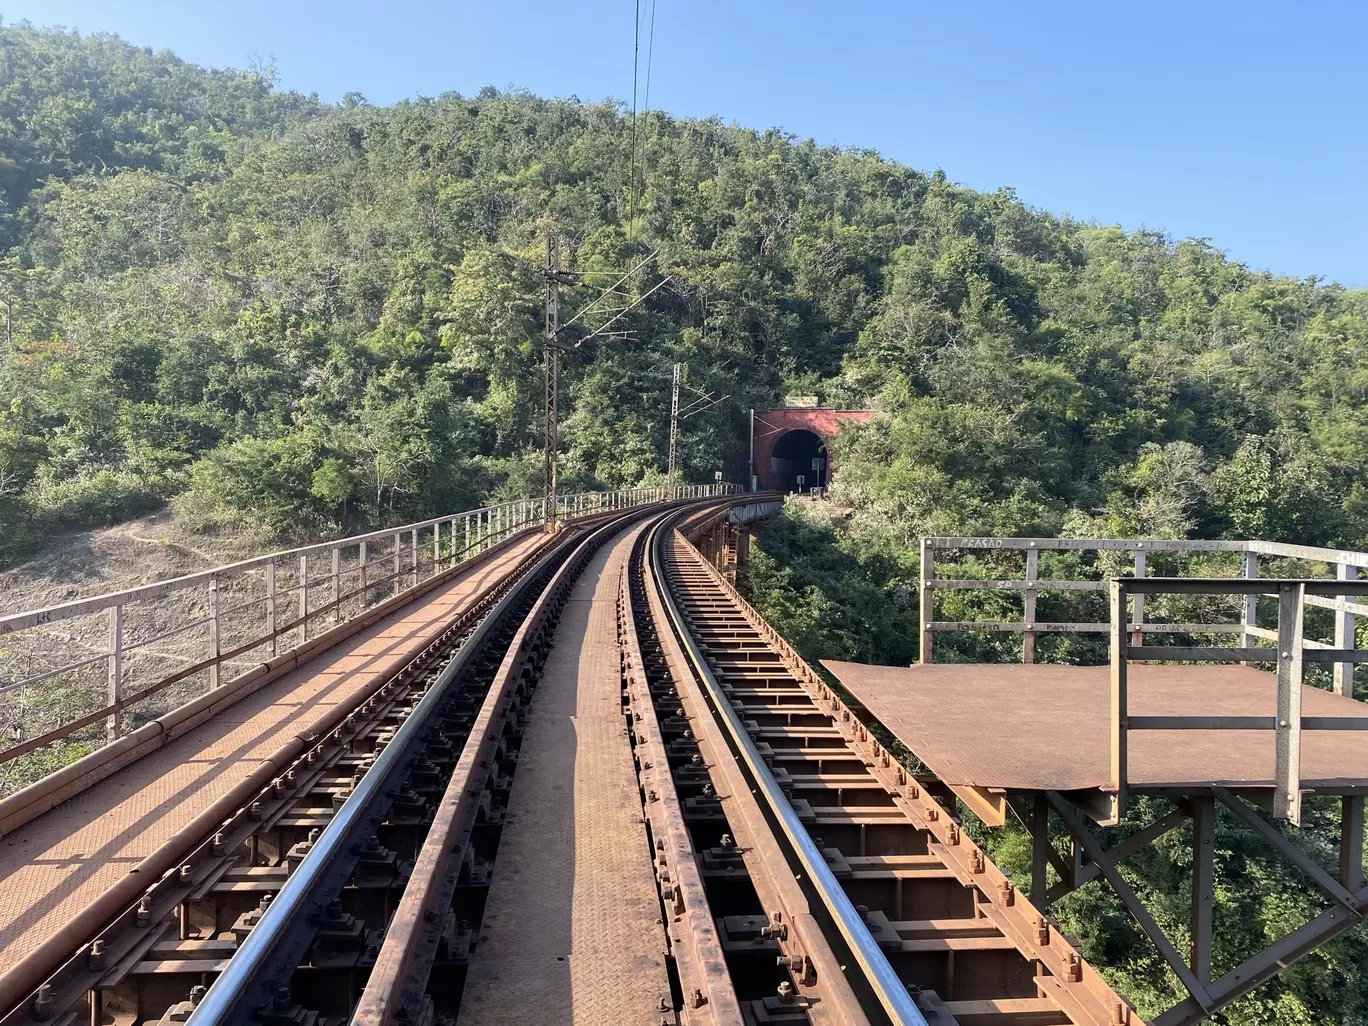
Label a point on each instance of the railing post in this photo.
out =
(361, 577)
(465, 552)
(928, 557)
(1203, 809)
(1137, 600)
(398, 584)
(454, 557)
(303, 599)
(114, 725)
(1249, 604)
(1287, 726)
(214, 632)
(271, 606)
(436, 549)
(1344, 634)
(337, 584)
(1119, 670)
(1028, 639)
(413, 548)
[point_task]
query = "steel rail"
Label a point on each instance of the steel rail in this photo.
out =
(710, 997)
(792, 928)
(259, 965)
(398, 981)
(242, 984)
(61, 959)
(891, 992)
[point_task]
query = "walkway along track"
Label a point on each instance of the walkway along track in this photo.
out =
(942, 920)
(145, 953)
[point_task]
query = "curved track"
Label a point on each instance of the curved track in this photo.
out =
(772, 863)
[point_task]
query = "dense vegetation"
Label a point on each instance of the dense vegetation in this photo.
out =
(292, 317)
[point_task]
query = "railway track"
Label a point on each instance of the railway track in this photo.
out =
(803, 876)
(935, 920)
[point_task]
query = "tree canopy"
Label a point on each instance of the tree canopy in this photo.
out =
(297, 316)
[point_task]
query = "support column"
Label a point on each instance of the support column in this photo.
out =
(1040, 849)
(1203, 810)
(271, 603)
(1287, 726)
(1249, 604)
(304, 599)
(1137, 638)
(1120, 657)
(1351, 842)
(337, 584)
(214, 633)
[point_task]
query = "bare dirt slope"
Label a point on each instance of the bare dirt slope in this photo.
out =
(80, 564)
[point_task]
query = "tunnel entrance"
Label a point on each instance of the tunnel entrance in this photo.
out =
(799, 453)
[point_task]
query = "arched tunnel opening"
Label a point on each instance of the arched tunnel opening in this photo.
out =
(799, 453)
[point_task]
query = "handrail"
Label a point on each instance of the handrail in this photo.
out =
(1292, 651)
(293, 590)
(1347, 564)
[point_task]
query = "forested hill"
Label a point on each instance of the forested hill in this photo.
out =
(293, 317)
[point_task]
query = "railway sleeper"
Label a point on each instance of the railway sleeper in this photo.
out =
(949, 923)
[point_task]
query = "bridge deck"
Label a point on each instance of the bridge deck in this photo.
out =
(571, 929)
(1045, 727)
(66, 857)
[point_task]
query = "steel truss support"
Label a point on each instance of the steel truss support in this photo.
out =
(1206, 995)
(1074, 873)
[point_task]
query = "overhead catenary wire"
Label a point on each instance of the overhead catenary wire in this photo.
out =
(650, 54)
(631, 160)
(632, 190)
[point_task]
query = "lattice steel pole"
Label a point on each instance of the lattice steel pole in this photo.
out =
(552, 355)
(674, 432)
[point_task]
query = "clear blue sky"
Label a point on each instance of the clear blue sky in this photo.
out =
(1242, 122)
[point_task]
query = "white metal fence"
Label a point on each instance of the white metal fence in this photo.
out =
(68, 667)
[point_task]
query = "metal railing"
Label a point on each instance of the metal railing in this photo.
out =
(1288, 647)
(1290, 654)
(1344, 564)
(238, 616)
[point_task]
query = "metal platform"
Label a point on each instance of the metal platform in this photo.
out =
(571, 930)
(61, 861)
(1042, 727)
